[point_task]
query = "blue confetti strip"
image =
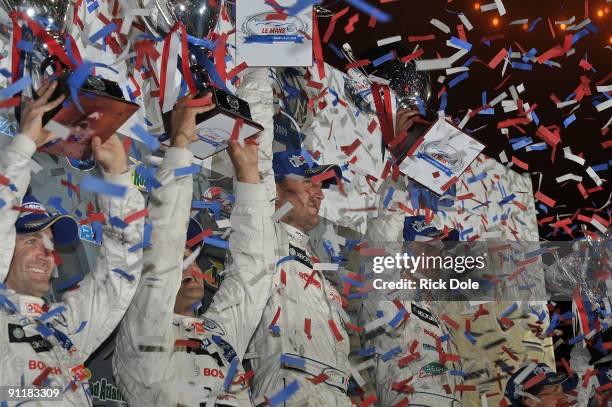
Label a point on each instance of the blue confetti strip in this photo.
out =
(144, 136)
(192, 169)
(522, 66)
(50, 314)
(231, 372)
(24, 45)
(397, 319)
(44, 330)
(285, 394)
(576, 339)
(118, 222)
(458, 79)
(69, 283)
(93, 184)
(275, 329)
(292, 361)
(148, 229)
(213, 241)
(509, 310)
(103, 32)
(534, 23)
(56, 203)
(477, 178)
(470, 337)
(388, 197)
(372, 11)
(15, 88)
(382, 59)
(569, 120)
(461, 44)
(391, 353)
(80, 328)
(366, 351)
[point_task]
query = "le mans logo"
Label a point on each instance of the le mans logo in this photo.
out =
(270, 27)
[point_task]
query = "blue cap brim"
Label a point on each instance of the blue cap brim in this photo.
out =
(320, 169)
(63, 227)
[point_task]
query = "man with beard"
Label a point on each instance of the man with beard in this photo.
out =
(165, 354)
(45, 345)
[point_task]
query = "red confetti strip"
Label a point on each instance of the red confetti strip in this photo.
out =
(42, 376)
(465, 387)
(335, 331)
(199, 102)
(199, 237)
(307, 324)
(236, 130)
(332, 24)
(412, 56)
(545, 199)
(318, 379)
(136, 215)
(12, 102)
(415, 38)
(519, 163)
(350, 26)
(454, 324)
(275, 319)
(317, 49)
(498, 58)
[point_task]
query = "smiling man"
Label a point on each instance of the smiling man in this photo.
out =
(46, 344)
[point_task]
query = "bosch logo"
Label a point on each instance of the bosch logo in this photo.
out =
(213, 373)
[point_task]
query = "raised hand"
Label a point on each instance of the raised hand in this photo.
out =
(183, 123)
(31, 116)
(110, 154)
(244, 158)
(405, 120)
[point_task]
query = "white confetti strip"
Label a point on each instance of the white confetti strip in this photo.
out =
(440, 25)
(325, 266)
(223, 223)
(520, 22)
(466, 22)
(458, 69)
(594, 176)
(561, 105)
(568, 177)
(500, 7)
(389, 40)
(488, 7)
(599, 226)
(567, 153)
(607, 88)
(498, 99)
(192, 257)
(58, 129)
(282, 211)
(604, 105)
(523, 375)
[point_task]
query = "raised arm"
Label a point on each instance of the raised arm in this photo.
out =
(101, 299)
(15, 168)
(240, 301)
(148, 321)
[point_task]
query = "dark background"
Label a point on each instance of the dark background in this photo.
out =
(583, 136)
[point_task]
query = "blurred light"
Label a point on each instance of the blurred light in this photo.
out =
(203, 9)
(600, 13)
(476, 6)
(50, 20)
(610, 39)
(607, 10)
(495, 21)
(563, 26)
(182, 7)
(525, 26)
(30, 12)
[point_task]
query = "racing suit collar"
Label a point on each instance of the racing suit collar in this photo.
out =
(29, 305)
(296, 236)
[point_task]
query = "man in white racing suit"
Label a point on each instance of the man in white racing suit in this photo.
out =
(165, 355)
(415, 359)
(300, 348)
(45, 345)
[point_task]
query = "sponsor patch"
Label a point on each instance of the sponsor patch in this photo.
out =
(424, 315)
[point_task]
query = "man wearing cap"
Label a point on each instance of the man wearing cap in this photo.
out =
(165, 354)
(45, 345)
(301, 335)
(537, 385)
(419, 373)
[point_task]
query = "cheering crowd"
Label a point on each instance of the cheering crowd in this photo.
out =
(277, 331)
